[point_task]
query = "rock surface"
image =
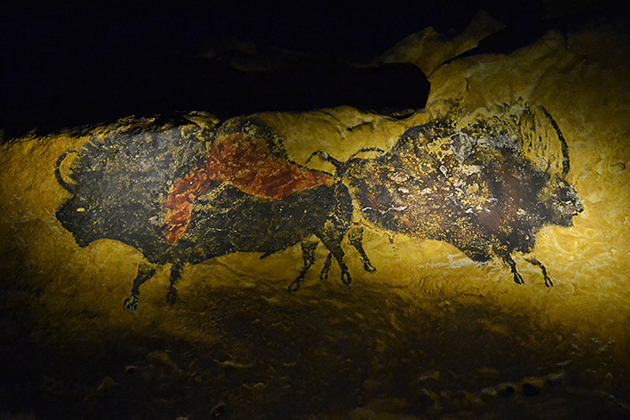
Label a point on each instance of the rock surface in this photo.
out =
(430, 334)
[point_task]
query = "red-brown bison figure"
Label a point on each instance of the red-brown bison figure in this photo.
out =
(185, 193)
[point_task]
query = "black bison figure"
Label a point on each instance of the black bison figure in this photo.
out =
(485, 183)
(183, 193)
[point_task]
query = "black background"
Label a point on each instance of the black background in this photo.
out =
(80, 63)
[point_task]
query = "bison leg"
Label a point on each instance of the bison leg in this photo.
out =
(324, 274)
(537, 263)
(518, 279)
(337, 252)
(355, 237)
(176, 274)
(145, 272)
(308, 252)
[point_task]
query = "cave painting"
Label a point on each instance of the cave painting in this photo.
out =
(183, 192)
(486, 186)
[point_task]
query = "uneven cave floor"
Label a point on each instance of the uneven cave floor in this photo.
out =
(325, 352)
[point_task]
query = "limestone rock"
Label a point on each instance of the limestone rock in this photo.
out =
(427, 308)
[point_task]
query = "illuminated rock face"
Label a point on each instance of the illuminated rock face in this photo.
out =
(471, 184)
(183, 194)
(430, 334)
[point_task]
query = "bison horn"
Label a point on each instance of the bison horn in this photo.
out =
(66, 186)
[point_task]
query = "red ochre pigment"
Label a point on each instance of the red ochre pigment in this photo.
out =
(246, 164)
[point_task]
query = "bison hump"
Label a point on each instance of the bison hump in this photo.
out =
(250, 166)
(247, 155)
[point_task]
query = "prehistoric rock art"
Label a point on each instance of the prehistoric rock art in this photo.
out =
(485, 184)
(184, 193)
(188, 192)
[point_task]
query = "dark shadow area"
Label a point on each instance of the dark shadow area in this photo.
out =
(77, 64)
(291, 356)
(280, 356)
(72, 64)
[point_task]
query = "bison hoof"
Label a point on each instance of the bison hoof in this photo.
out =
(171, 296)
(323, 276)
(345, 278)
(295, 286)
(369, 267)
(131, 303)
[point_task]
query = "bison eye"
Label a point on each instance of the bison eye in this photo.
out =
(80, 209)
(564, 196)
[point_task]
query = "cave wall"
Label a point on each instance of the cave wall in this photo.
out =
(427, 324)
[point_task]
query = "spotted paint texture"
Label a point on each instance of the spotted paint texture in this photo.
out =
(183, 194)
(486, 186)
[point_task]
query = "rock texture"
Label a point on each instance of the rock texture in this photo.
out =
(430, 334)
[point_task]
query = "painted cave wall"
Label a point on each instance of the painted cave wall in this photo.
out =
(432, 326)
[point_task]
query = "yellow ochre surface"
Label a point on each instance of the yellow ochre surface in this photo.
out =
(430, 334)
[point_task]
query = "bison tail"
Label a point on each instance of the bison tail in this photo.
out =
(340, 167)
(366, 149)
